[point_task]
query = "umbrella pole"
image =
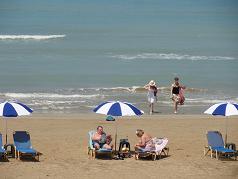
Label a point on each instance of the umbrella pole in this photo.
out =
(6, 129)
(116, 138)
(226, 132)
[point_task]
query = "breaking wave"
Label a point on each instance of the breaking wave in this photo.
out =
(169, 56)
(90, 92)
(30, 37)
(48, 95)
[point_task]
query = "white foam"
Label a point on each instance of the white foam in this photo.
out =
(48, 95)
(56, 102)
(170, 56)
(30, 37)
(205, 101)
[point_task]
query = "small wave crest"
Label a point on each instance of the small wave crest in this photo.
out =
(169, 56)
(140, 89)
(48, 95)
(90, 93)
(207, 101)
(123, 89)
(30, 37)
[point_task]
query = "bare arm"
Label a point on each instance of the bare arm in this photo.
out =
(94, 137)
(171, 90)
(142, 142)
(183, 87)
(146, 86)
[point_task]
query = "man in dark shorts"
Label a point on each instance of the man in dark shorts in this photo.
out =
(99, 138)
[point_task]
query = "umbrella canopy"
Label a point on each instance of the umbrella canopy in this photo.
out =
(13, 109)
(117, 108)
(223, 109)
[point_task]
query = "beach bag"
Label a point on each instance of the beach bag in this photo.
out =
(110, 118)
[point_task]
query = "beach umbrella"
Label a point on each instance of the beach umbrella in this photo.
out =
(13, 109)
(223, 109)
(117, 108)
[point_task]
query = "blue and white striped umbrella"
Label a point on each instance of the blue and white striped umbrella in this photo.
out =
(13, 109)
(117, 108)
(223, 109)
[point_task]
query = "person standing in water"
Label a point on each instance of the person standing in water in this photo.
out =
(151, 94)
(177, 94)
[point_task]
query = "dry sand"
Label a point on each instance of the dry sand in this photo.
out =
(63, 141)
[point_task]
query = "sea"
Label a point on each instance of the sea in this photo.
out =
(69, 56)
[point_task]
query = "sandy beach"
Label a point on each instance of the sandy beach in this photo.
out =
(63, 141)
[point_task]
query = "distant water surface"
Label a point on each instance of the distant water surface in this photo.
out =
(63, 56)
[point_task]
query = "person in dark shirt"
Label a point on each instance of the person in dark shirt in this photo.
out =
(176, 94)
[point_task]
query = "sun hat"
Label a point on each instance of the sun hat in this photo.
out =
(152, 83)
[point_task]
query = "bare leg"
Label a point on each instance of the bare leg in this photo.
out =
(152, 107)
(96, 146)
(175, 107)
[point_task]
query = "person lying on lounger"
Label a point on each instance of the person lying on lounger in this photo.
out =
(145, 140)
(108, 144)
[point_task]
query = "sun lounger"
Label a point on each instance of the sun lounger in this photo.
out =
(3, 152)
(216, 146)
(23, 145)
(92, 152)
(158, 150)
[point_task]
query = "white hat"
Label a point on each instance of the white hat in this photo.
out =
(152, 83)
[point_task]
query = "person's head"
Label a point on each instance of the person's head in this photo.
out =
(100, 130)
(176, 80)
(152, 83)
(139, 132)
(108, 139)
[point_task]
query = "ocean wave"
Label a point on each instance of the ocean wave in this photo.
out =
(30, 37)
(90, 93)
(48, 95)
(42, 102)
(208, 101)
(122, 89)
(169, 56)
(139, 89)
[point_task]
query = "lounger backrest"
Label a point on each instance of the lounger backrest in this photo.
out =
(90, 142)
(215, 139)
(22, 139)
(1, 146)
(160, 143)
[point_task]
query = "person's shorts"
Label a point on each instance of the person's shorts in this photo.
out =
(176, 97)
(151, 99)
(100, 144)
